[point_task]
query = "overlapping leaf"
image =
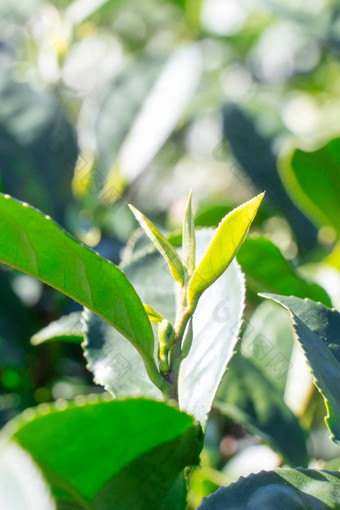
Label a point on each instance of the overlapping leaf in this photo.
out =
(111, 455)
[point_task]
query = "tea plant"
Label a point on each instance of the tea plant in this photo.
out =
(150, 339)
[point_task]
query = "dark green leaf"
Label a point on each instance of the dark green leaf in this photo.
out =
(317, 329)
(282, 489)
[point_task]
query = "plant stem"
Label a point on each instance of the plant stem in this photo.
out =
(183, 316)
(156, 377)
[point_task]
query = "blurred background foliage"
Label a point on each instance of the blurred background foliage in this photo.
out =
(103, 102)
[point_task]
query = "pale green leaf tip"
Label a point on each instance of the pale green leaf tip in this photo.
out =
(133, 209)
(188, 208)
(260, 197)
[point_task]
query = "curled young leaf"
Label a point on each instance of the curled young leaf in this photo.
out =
(163, 246)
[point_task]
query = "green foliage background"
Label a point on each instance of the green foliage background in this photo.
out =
(108, 102)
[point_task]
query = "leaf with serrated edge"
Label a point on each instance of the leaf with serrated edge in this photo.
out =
(216, 326)
(222, 248)
(163, 246)
(66, 329)
(114, 362)
(36, 245)
(110, 454)
(282, 489)
(110, 358)
(317, 329)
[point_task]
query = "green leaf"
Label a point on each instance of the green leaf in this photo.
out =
(210, 213)
(283, 489)
(313, 180)
(66, 329)
(268, 270)
(22, 485)
(317, 329)
(189, 240)
(223, 247)
(111, 455)
(35, 244)
(251, 400)
(163, 246)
